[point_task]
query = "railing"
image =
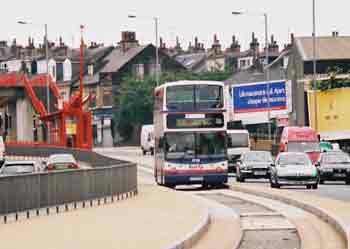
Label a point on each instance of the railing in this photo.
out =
(108, 178)
(37, 191)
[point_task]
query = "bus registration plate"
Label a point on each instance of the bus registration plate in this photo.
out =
(194, 179)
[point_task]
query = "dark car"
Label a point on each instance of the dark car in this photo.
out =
(334, 166)
(253, 165)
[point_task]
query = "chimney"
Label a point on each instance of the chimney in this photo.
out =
(254, 45)
(128, 40)
(196, 43)
(335, 34)
(216, 47)
(3, 44)
(235, 47)
(273, 46)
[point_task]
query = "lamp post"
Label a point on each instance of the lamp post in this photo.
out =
(47, 72)
(156, 22)
(266, 69)
(314, 77)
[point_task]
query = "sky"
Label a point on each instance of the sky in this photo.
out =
(105, 19)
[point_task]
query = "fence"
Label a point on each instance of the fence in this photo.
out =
(108, 178)
(36, 191)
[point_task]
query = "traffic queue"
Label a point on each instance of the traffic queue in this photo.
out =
(302, 160)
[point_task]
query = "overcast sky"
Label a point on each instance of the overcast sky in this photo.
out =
(184, 18)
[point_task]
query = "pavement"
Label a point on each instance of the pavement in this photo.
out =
(155, 218)
(336, 212)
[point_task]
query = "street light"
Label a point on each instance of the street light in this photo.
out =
(157, 53)
(47, 72)
(266, 69)
(314, 61)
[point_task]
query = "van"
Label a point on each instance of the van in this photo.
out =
(238, 143)
(147, 139)
(300, 139)
(2, 151)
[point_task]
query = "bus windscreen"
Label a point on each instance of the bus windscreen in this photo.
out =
(194, 97)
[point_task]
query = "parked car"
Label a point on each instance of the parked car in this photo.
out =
(293, 168)
(334, 166)
(61, 162)
(2, 151)
(19, 167)
(253, 165)
(147, 139)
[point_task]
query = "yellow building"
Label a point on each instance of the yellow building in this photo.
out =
(333, 113)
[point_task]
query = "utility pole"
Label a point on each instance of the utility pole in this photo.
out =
(314, 63)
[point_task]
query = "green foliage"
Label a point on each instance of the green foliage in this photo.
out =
(135, 98)
(333, 80)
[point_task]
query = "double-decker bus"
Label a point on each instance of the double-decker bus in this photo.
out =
(190, 134)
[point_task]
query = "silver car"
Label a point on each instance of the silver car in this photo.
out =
(19, 167)
(293, 169)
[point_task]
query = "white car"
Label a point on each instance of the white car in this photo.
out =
(19, 167)
(61, 162)
(293, 168)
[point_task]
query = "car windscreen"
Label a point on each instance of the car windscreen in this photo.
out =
(303, 147)
(335, 158)
(238, 140)
(18, 168)
(293, 159)
(257, 157)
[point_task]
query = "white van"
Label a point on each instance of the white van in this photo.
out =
(2, 151)
(147, 139)
(237, 143)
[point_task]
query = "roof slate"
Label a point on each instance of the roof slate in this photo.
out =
(327, 48)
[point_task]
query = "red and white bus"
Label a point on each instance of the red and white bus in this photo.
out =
(190, 134)
(301, 139)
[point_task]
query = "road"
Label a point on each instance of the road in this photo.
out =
(262, 223)
(333, 190)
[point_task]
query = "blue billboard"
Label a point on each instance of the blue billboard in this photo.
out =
(253, 97)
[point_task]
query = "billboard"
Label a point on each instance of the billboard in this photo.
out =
(249, 101)
(253, 97)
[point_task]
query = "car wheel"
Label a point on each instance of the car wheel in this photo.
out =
(143, 152)
(242, 179)
(152, 151)
(308, 186)
(315, 186)
(272, 185)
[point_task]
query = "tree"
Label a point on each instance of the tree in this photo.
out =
(135, 100)
(136, 107)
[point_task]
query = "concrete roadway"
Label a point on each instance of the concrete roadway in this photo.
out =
(331, 190)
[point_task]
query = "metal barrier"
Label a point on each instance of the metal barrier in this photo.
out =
(37, 191)
(93, 158)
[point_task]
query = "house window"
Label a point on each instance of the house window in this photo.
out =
(91, 70)
(107, 97)
(92, 102)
